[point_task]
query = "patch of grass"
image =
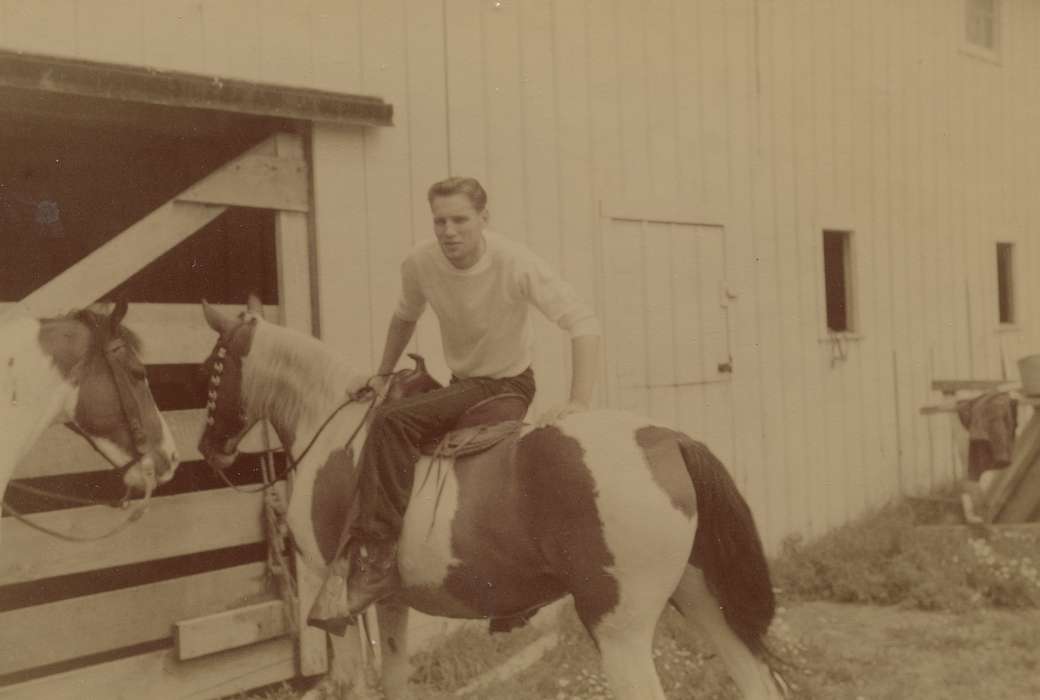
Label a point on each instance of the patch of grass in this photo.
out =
(465, 654)
(883, 558)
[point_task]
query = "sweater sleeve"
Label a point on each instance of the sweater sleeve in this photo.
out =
(555, 298)
(412, 302)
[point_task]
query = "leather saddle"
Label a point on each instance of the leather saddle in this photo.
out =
(480, 428)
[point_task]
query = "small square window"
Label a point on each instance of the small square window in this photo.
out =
(1006, 282)
(982, 23)
(837, 274)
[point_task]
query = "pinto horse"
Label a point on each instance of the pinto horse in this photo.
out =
(623, 514)
(82, 370)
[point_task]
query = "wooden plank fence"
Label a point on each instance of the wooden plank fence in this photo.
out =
(179, 604)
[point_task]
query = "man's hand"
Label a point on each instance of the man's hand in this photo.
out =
(556, 413)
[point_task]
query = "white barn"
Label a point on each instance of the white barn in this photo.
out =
(792, 216)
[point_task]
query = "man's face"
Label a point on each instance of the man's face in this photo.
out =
(459, 228)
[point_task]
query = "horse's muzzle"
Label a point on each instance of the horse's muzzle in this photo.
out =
(153, 469)
(220, 460)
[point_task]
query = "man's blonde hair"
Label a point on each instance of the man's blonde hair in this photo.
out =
(468, 186)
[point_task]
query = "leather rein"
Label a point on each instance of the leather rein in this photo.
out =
(132, 413)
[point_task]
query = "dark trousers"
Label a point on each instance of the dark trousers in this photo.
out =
(397, 428)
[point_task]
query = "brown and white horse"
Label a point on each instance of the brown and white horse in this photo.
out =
(82, 370)
(624, 515)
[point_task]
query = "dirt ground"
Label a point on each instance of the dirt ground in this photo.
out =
(846, 652)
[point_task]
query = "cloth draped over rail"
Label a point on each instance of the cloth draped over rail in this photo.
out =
(991, 420)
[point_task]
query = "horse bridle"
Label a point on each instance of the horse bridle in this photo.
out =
(221, 354)
(113, 352)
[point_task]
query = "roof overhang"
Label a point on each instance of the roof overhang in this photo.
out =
(174, 89)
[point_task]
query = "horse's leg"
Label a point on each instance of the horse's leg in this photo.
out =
(351, 666)
(627, 655)
(393, 640)
(622, 618)
(697, 604)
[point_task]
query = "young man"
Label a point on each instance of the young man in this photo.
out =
(481, 287)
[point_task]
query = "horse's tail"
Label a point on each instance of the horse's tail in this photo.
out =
(728, 550)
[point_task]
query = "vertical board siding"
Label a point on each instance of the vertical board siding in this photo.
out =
(785, 117)
(543, 192)
(428, 140)
(386, 161)
(466, 105)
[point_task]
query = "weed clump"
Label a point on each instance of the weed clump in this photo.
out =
(882, 558)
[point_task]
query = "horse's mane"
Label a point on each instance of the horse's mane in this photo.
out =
(292, 374)
(94, 320)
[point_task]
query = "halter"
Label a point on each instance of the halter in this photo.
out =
(114, 349)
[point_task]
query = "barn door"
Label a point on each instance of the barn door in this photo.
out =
(665, 324)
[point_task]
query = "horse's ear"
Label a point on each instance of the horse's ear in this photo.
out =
(254, 306)
(118, 313)
(216, 320)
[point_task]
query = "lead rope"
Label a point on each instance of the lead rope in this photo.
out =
(277, 531)
(276, 528)
(133, 516)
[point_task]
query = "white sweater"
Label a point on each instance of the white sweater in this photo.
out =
(485, 329)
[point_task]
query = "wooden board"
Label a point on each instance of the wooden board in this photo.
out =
(293, 242)
(267, 182)
(158, 674)
(1005, 503)
(60, 451)
(68, 629)
(145, 240)
(172, 526)
(120, 258)
(230, 629)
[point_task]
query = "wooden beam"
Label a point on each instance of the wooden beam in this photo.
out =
(951, 386)
(230, 629)
(293, 243)
(172, 526)
(114, 619)
(123, 256)
(121, 83)
(30, 111)
(120, 258)
(1022, 502)
(159, 674)
(1023, 462)
(266, 182)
